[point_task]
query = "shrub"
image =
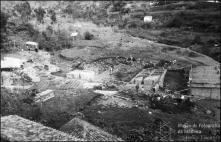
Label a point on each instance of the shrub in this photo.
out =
(53, 42)
(118, 5)
(88, 36)
(26, 28)
(196, 39)
(192, 54)
(176, 21)
(146, 26)
(25, 10)
(40, 12)
(4, 19)
(19, 104)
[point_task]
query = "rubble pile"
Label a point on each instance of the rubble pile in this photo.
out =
(170, 104)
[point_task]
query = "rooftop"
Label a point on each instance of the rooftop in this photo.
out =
(206, 76)
(85, 130)
(16, 128)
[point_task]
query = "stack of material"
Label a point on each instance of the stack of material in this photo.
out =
(43, 96)
(81, 74)
(84, 130)
(16, 128)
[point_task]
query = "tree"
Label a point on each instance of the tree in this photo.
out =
(24, 10)
(118, 5)
(3, 21)
(53, 16)
(40, 12)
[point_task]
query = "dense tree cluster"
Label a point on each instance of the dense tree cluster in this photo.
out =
(3, 21)
(24, 10)
(52, 16)
(40, 12)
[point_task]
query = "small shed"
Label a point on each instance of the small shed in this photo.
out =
(31, 45)
(44, 96)
(148, 19)
(205, 82)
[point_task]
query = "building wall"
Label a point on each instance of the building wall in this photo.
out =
(213, 93)
(79, 74)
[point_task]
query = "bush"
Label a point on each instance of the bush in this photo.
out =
(146, 26)
(25, 10)
(176, 21)
(52, 41)
(197, 39)
(40, 12)
(19, 104)
(193, 54)
(4, 19)
(88, 36)
(118, 6)
(28, 28)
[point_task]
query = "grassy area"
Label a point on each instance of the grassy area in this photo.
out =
(53, 113)
(19, 104)
(136, 124)
(60, 110)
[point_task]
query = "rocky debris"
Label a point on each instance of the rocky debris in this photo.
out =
(16, 128)
(170, 103)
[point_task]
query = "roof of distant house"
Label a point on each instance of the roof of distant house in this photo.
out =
(32, 43)
(206, 76)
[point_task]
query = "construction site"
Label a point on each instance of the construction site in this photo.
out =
(103, 83)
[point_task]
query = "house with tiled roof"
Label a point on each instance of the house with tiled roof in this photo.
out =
(205, 81)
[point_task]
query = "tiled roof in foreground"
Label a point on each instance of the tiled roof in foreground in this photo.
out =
(16, 128)
(82, 129)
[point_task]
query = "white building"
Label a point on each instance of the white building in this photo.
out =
(81, 74)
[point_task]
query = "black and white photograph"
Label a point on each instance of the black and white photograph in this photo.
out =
(117, 70)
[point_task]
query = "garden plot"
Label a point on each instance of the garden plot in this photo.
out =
(71, 84)
(110, 98)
